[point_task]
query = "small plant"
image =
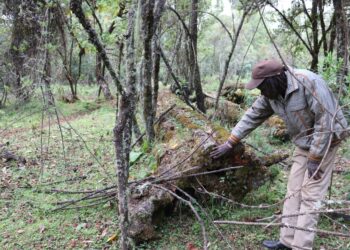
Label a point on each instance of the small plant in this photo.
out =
(329, 68)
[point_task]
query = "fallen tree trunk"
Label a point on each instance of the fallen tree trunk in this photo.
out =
(227, 111)
(185, 140)
(234, 93)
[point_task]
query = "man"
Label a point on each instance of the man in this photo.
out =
(310, 111)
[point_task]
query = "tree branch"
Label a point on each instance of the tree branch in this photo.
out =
(308, 47)
(75, 6)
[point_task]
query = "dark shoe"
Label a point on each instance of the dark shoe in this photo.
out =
(274, 244)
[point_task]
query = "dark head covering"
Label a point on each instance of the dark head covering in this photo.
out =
(263, 70)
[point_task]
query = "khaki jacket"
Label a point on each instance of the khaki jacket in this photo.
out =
(307, 121)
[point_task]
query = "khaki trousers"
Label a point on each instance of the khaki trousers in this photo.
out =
(302, 196)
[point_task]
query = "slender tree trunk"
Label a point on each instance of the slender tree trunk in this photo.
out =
(25, 40)
(147, 7)
(196, 77)
(342, 34)
(100, 79)
(120, 57)
(176, 50)
(332, 38)
(123, 132)
(158, 10)
(176, 81)
(122, 135)
(315, 47)
(123, 128)
(228, 59)
(136, 129)
(155, 77)
(100, 68)
(47, 77)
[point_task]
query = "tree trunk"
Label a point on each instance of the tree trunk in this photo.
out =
(136, 130)
(342, 34)
(122, 138)
(47, 78)
(123, 132)
(147, 7)
(315, 47)
(24, 41)
(47, 64)
(158, 10)
(195, 74)
(123, 127)
(100, 79)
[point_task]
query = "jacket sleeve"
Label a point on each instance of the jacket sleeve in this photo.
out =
(252, 118)
(317, 89)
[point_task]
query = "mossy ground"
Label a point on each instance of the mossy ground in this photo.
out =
(26, 217)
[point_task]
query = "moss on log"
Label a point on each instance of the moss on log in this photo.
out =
(187, 138)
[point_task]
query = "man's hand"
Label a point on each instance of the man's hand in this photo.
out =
(312, 167)
(222, 150)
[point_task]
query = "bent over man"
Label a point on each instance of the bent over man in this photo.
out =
(316, 125)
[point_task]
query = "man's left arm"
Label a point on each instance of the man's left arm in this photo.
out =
(322, 104)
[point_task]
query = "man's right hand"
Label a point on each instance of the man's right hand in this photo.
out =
(222, 150)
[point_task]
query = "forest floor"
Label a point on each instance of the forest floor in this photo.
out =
(30, 192)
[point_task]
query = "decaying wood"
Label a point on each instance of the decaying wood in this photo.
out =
(279, 129)
(226, 111)
(10, 156)
(233, 93)
(186, 138)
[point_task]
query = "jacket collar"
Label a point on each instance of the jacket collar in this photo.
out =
(291, 81)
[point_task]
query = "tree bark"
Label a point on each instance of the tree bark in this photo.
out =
(158, 10)
(123, 132)
(147, 7)
(195, 73)
(315, 47)
(122, 135)
(100, 79)
(47, 79)
(342, 34)
(136, 130)
(24, 41)
(48, 96)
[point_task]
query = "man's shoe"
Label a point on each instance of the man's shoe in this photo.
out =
(274, 244)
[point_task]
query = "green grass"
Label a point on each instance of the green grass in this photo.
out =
(26, 217)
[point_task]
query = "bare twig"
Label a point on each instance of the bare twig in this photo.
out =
(188, 203)
(156, 122)
(180, 176)
(208, 215)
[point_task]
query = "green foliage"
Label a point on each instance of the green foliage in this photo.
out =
(134, 157)
(330, 67)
